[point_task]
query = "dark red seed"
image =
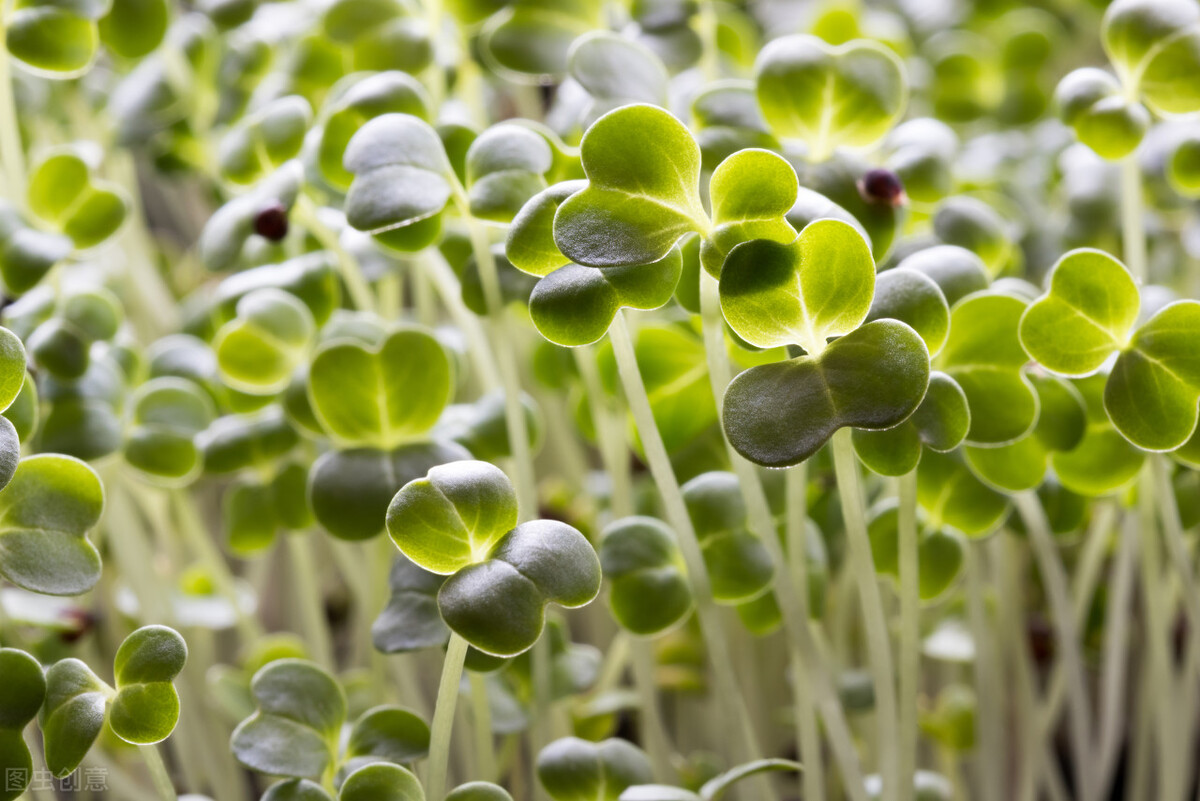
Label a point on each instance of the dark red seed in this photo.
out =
(272, 222)
(881, 186)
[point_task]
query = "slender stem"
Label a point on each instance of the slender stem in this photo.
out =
(654, 733)
(360, 291)
(808, 735)
(1115, 662)
(1055, 581)
(449, 290)
(733, 711)
(196, 534)
(543, 693)
(987, 681)
(1158, 697)
(443, 717)
(481, 713)
(306, 587)
(506, 357)
(1133, 229)
(879, 650)
(790, 586)
(1028, 743)
(610, 438)
(910, 633)
(158, 772)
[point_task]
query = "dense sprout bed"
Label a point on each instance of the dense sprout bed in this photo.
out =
(571, 400)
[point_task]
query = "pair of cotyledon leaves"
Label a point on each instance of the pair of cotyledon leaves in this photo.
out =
(142, 708)
(403, 177)
(1154, 46)
(62, 40)
(362, 395)
(649, 590)
(572, 769)
(460, 521)
(296, 731)
(1088, 315)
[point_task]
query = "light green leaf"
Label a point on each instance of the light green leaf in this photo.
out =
(381, 782)
(952, 496)
(453, 516)
(983, 354)
(649, 591)
(643, 193)
(72, 716)
(45, 514)
(818, 286)
(752, 191)
(21, 697)
(1104, 461)
(1085, 315)
(1154, 388)
(63, 192)
(146, 707)
(260, 348)
(826, 95)
(52, 40)
(530, 246)
(1155, 46)
(295, 729)
(368, 396)
(571, 769)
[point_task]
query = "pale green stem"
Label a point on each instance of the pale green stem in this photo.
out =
(616, 660)
(196, 534)
(158, 772)
(37, 791)
(1158, 695)
(879, 650)
(443, 717)
(808, 735)
(446, 284)
(118, 782)
(306, 589)
(910, 633)
(391, 298)
(1115, 662)
(790, 586)
(356, 283)
(734, 719)
(543, 687)
(506, 358)
(654, 733)
(1067, 630)
(1177, 548)
(1028, 745)
(610, 436)
(481, 714)
(1086, 576)
(1133, 228)
(988, 688)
